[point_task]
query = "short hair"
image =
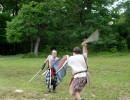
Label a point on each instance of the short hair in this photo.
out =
(54, 50)
(77, 50)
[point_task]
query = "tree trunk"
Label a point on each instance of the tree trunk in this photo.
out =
(80, 19)
(81, 24)
(14, 49)
(31, 46)
(16, 9)
(89, 8)
(36, 46)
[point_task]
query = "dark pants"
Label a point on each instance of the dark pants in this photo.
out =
(54, 87)
(54, 80)
(52, 83)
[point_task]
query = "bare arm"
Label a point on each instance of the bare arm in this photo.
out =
(61, 62)
(46, 60)
(85, 51)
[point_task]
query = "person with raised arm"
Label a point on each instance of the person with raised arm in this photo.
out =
(80, 74)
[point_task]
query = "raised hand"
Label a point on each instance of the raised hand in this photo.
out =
(83, 44)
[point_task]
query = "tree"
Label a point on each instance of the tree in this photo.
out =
(11, 7)
(58, 23)
(31, 24)
(3, 42)
(83, 17)
(122, 26)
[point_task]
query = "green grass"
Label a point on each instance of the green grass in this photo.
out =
(110, 79)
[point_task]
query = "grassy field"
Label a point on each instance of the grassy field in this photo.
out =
(110, 80)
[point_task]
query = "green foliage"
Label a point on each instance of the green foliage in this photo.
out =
(43, 54)
(29, 55)
(123, 45)
(3, 19)
(114, 49)
(28, 23)
(63, 24)
(47, 49)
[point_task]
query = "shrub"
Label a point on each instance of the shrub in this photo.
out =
(114, 49)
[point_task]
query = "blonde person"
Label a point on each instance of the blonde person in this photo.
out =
(51, 59)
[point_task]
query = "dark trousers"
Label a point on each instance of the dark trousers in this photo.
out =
(52, 83)
(54, 87)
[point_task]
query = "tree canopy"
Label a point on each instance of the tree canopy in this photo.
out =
(63, 24)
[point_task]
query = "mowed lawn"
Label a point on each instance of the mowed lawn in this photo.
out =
(110, 80)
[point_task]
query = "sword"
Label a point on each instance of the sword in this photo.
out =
(50, 80)
(34, 76)
(45, 72)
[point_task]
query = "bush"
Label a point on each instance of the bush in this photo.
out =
(20, 55)
(29, 55)
(47, 49)
(43, 55)
(114, 49)
(124, 46)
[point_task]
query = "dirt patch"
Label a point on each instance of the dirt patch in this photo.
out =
(124, 98)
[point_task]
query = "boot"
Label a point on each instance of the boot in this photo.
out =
(54, 88)
(54, 91)
(49, 90)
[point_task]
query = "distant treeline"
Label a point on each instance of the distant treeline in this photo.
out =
(40, 26)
